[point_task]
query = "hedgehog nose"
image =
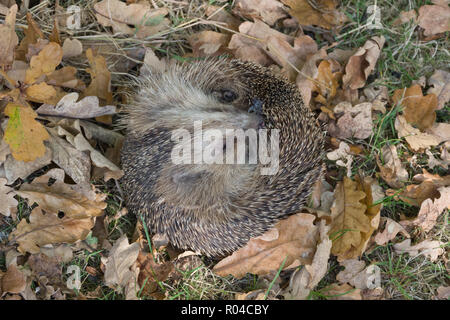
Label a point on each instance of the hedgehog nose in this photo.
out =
(256, 107)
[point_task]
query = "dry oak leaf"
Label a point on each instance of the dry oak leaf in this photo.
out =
(327, 82)
(88, 107)
(434, 19)
(362, 63)
(8, 205)
(119, 15)
(151, 272)
(66, 77)
(406, 16)
(356, 121)
(308, 277)
(72, 48)
(100, 85)
(23, 133)
(219, 14)
(268, 11)
(13, 281)
(294, 238)
(44, 63)
(119, 261)
(43, 93)
(393, 171)
(354, 216)
(439, 84)
(15, 169)
(429, 248)
(309, 72)
(416, 139)
(341, 292)
(390, 231)
(8, 38)
(32, 34)
(415, 194)
(437, 180)
(208, 43)
(419, 110)
(47, 228)
(430, 210)
(323, 14)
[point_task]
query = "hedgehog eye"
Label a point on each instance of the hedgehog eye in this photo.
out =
(227, 96)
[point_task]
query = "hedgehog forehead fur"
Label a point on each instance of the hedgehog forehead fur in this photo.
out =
(216, 209)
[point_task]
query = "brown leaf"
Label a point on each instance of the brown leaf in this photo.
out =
(362, 63)
(88, 107)
(393, 172)
(100, 85)
(72, 48)
(390, 231)
(356, 121)
(14, 280)
(145, 20)
(219, 14)
(8, 205)
(406, 16)
(152, 272)
(354, 218)
(327, 83)
(292, 239)
(437, 180)
(66, 77)
(24, 134)
(439, 84)
(429, 248)
(118, 264)
(32, 34)
(324, 13)
(44, 63)
(418, 110)
(208, 43)
(268, 11)
(430, 210)
(8, 38)
(416, 139)
(341, 292)
(434, 19)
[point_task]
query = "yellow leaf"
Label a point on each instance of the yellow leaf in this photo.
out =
(23, 133)
(44, 63)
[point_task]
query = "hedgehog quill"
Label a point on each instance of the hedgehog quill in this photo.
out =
(216, 206)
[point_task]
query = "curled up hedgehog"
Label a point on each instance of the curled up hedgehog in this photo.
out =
(208, 206)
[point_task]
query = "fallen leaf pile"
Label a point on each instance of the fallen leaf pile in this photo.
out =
(58, 97)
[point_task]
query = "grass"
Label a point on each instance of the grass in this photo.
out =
(403, 59)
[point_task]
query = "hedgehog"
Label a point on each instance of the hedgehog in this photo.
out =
(216, 208)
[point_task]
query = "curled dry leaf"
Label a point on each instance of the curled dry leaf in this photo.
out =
(437, 180)
(118, 264)
(66, 77)
(354, 216)
(362, 63)
(15, 169)
(24, 135)
(308, 277)
(434, 19)
(294, 238)
(340, 154)
(100, 85)
(8, 38)
(208, 43)
(430, 210)
(118, 15)
(219, 14)
(88, 107)
(419, 110)
(323, 14)
(416, 139)
(356, 121)
(341, 292)
(429, 248)
(358, 275)
(393, 171)
(32, 34)
(72, 48)
(327, 81)
(268, 11)
(309, 72)
(8, 205)
(352, 268)
(439, 84)
(44, 63)
(151, 272)
(391, 229)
